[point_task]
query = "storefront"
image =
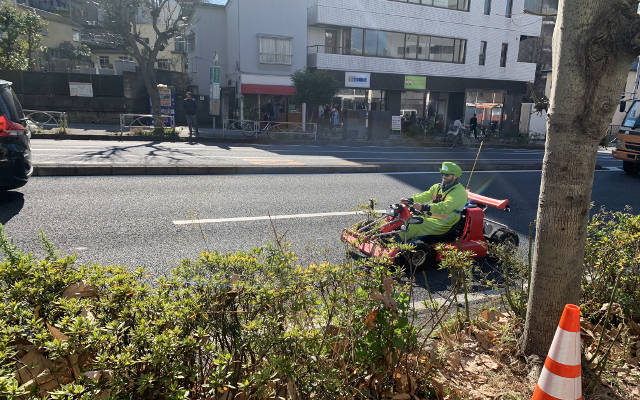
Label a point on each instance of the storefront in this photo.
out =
(268, 98)
(441, 100)
(487, 105)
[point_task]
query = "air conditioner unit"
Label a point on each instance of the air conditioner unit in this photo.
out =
(91, 23)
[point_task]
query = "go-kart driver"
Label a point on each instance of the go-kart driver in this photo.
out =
(442, 203)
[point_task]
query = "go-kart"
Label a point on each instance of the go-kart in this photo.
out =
(378, 237)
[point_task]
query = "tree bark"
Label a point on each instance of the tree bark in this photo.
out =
(151, 84)
(594, 43)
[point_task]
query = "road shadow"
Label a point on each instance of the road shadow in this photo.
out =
(156, 150)
(10, 205)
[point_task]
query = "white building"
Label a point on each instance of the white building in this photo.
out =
(259, 44)
(443, 59)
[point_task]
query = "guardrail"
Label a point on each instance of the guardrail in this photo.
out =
(265, 128)
(130, 121)
(47, 119)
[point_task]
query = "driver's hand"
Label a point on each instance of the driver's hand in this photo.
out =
(417, 206)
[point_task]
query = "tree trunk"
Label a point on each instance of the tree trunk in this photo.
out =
(594, 43)
(151, 84)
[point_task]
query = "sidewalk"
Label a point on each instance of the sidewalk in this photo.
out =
(208, 134)
(211, 154)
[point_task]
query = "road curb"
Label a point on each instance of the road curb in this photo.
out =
(111, 169)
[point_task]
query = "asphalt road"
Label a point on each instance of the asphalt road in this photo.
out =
(136, 221)
(47, 152)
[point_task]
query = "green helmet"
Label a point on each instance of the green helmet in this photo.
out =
(451, 169)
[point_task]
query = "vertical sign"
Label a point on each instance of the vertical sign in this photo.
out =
(167, 105)
(396, 123)
(214, 90)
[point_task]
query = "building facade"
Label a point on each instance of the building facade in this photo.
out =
(440, 59)
(258, 45)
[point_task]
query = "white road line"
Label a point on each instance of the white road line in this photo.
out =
(267, 217)
(613, 169)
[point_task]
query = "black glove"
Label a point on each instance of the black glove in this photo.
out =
(408, 201)
(425, 208)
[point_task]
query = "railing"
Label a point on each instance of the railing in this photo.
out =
(132, 121)
(48, 119)
(322, 49)
(265, 128)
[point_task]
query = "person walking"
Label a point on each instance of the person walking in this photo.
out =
(190, 107)
(473, 125)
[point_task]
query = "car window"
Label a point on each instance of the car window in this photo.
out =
(9, 105)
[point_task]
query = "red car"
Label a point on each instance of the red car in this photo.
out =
(473, 232)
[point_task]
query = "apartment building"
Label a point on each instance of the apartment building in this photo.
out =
(258, 45)
(442, 59)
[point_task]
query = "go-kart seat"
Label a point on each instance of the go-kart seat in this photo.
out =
(449, 236)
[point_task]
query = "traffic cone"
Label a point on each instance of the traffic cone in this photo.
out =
(561, 375)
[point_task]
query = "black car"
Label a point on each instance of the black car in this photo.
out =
(15, 137)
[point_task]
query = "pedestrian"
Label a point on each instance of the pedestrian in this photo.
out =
(334, 118)
(473, 125)
(190, 107)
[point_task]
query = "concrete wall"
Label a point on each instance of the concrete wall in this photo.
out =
(57, 33)
(210, 29)
(269, 17)
(396, 16)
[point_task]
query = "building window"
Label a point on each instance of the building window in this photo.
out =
(503, 55)
(374, 43)
(483, 52)
(460, 5)
(104, 61)
(164, 64)
(487, 7)
(509, 9)
(76, 35)
(370, 43)
(275, 50)
(185, 43)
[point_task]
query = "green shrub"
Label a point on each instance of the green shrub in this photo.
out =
(254, 325)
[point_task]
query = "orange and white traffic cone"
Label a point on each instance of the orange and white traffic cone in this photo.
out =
(561, 375)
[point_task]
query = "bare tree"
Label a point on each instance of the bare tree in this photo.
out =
(594, 43)
(167, 19)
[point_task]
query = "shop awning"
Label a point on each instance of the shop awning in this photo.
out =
(268, 89)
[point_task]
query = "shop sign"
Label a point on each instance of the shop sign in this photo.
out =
(214, 75)
(415, 82)
(357, 80)
(214, 99)
(396, 123)
(81, 89)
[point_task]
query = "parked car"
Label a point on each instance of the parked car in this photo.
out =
(15, 141)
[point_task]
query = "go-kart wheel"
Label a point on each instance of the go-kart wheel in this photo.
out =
(505, 237)
(418, 258)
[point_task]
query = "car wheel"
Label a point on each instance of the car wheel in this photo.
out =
(629, 167)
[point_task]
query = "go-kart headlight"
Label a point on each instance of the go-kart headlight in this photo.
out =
(391, 212)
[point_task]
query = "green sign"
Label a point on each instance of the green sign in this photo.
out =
(214, 73)
(415, 82)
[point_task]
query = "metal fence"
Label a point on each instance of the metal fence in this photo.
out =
(266, 128)
(132, 121)
(47, 119)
